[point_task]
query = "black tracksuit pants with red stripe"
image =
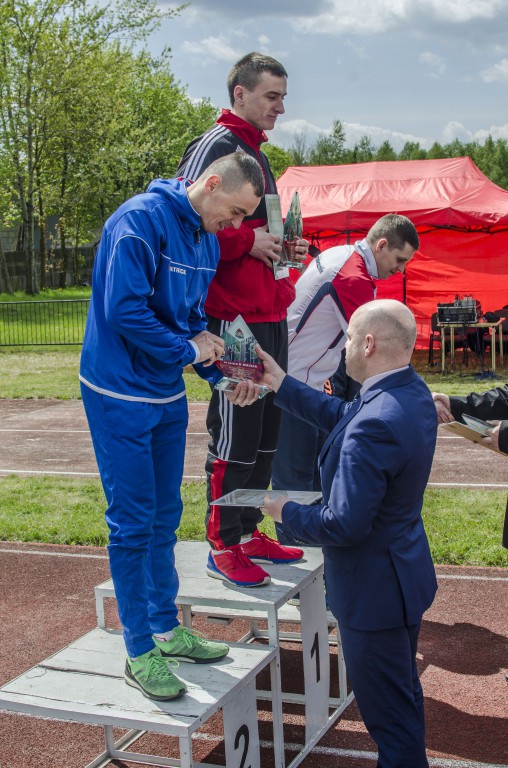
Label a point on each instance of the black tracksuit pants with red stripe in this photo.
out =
(242, 443)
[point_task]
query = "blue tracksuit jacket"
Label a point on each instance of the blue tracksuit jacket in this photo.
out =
(151, 275)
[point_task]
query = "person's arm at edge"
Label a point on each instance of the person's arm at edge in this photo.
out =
(489, 406)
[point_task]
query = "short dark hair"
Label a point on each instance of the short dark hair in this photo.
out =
(236, 169)
(398, 230)
(248, 71)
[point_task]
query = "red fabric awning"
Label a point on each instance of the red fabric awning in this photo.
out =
(460, 215)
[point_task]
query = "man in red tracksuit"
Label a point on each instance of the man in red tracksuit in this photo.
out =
(243, 440)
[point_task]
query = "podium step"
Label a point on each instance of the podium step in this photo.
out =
(83, 683)
(220, 599)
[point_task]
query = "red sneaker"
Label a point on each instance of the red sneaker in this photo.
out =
(262, 549)
(232, 565)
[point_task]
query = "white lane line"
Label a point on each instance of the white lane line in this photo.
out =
(52, 553)
(46, 472)
(436, 762)
(58, 472)
(18, 429)
(86, 555)
(58, 431)
(19, 471)
(75, 431)
(501, 486)
(471, 578)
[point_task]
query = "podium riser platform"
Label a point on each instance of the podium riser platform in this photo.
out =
(84, 683)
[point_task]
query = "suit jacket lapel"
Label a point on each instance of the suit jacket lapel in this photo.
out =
(355, 406)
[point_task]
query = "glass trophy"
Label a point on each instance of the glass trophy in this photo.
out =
(288, 233)
(240, 361)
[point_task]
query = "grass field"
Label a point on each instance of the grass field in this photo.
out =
(52, 372)
(464, 527)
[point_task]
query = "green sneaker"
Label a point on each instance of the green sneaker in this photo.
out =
(151, 673)
(191, 646)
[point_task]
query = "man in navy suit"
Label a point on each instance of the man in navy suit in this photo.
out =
(374, 468)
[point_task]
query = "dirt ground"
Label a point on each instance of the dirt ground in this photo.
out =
(52, 437)
(47, 602)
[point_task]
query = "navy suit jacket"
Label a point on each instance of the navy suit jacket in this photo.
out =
(374, 468)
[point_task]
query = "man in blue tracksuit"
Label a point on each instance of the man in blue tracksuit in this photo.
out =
(157, 256)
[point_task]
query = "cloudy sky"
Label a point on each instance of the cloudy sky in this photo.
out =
(402, 70)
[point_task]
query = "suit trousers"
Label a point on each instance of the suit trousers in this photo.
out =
(381, 666)
(140, 450)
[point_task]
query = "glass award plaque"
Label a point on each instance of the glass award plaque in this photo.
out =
(240, 361)
(246, 497)
(288, 233)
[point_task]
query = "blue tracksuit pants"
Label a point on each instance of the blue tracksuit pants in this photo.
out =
(140, 451)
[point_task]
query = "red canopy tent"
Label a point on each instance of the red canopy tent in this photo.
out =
(460, 215)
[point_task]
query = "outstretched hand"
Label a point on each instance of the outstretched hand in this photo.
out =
(273, 507)
(247, 392)
(273, 375)
(492, 437)
(445, 415)
(442, 403)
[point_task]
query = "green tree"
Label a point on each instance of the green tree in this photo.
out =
(385, 152)
(500, 175)
(88, 119)
(363, 151)
(412, 151)
(278, 158)
(455, 149)
(45, 46)
(492, 160)
(328, 149)
(299, 150)
(436, 152)
(130, 128)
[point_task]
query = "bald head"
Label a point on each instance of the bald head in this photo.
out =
(389, 321)
(381, 337)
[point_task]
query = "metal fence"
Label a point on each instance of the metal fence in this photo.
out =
(38, 323)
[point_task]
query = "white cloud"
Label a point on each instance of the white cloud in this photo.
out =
(284, 134)
(361, 51)
(362, 16)
(460, 11)
(452, 53)
(248, 12)
(355, 131)
(435, 64)
(215, 47)
(496, 74)
(455, 130)
(496, 131)
(365, 17)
